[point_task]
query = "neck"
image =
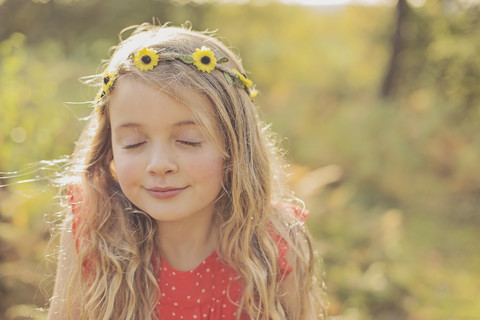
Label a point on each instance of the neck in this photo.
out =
(185, 244)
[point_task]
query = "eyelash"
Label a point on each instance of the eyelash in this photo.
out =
(190, 143)
(133, 146)
(187, 143)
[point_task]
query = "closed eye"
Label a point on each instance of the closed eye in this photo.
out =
(190, 143)
(133, 146)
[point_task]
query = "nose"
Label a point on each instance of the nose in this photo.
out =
(162, 161)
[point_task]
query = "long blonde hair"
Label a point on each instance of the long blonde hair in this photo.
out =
(116, 277)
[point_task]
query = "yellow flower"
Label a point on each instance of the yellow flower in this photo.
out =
(108, 80)
(253, 94)
(204, 59)
(146, 59)
(242, 78)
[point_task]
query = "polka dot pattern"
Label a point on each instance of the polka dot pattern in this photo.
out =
(205, 292)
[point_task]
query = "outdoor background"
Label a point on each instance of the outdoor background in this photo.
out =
(378, 107)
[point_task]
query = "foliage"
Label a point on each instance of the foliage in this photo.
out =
(390, 183)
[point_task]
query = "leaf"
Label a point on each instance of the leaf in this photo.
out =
(239, 82)
(228, 78)
(186, 58)
(223, 60)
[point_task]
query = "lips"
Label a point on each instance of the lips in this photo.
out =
(164, 192)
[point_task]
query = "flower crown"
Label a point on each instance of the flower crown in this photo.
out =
(204, 59)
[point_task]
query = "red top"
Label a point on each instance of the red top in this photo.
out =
(206, 292)
(210, 291)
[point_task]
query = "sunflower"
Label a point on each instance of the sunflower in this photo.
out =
(204, 59)
(242, 78)
(253, 94)
(146, 59)
(108, 81)
(99, 95)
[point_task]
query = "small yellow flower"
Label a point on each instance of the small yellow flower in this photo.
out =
(204, 59)
(146, 59)
(253, 94)
(108, 80)
(242, 78)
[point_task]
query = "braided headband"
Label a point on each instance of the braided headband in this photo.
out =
(204, 59)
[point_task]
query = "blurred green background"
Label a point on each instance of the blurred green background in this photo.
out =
(379, 107)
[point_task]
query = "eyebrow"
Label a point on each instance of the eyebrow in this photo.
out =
(137, 125)
(127, 125)
(184, 123)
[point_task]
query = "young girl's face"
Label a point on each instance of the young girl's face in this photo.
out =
(164, 163)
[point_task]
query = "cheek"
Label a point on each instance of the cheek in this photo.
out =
(126, 169)
(210, 168)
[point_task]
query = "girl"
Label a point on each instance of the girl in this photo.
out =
(180, 211)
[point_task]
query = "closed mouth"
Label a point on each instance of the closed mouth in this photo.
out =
(164, 189)
(164, 192)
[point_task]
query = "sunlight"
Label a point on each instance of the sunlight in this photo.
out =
(337, 2)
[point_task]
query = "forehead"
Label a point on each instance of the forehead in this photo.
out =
(133, 99)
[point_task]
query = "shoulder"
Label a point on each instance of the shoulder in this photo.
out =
(286, 228)
(296, 261)
(74, 197)
(67, 260)
(75, 201)
(295, 212)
